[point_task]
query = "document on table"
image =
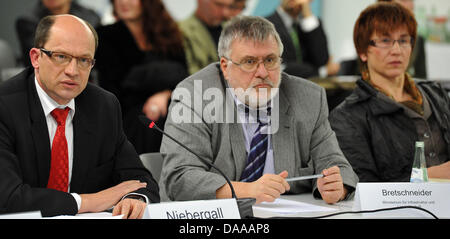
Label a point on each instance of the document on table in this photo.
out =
(97, 215)
(22, 215)
(285, 206)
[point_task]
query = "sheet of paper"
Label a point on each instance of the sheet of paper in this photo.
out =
(22, 215)
(97, 215)
(285, 206)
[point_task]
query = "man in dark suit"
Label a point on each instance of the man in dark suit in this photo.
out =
(306, 50)
(62, 147)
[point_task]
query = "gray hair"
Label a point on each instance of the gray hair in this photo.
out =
(249, 28)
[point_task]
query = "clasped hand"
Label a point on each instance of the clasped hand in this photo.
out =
(103, 200)
(270, 186)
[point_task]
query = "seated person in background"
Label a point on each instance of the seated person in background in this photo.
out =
(25, 25)
(237, 7)
(201, 32)
(141, 59)
(378, 124)
(257, 156)
(62, 147)
(304, 40)
(417, 64)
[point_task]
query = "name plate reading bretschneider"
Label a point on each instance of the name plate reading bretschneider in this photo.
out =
(202, 209)
(430, 196)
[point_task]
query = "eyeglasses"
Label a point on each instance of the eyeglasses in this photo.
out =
(250, 64)
(64, 59)
(386, 43)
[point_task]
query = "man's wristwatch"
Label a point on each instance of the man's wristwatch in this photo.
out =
(136, 196)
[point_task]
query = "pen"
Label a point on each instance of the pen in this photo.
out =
(304, 177)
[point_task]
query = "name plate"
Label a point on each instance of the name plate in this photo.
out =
(430, 196)
(202, 209)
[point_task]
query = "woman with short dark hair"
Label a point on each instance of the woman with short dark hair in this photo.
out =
(378, 124)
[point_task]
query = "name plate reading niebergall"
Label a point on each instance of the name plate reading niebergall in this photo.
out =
(430, 196)
(201, 209)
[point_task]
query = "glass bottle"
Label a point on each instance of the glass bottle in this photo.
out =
(419, 170)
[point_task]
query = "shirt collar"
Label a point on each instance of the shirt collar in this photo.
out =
(252, 114)
(415, 104)
(286, 18)
(48, 104)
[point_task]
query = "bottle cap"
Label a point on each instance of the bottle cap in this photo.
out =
(420, 144)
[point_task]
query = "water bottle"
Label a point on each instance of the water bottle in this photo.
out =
(419, 170)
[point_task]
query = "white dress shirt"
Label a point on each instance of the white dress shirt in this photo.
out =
(307, 24)
(48, 105)
(249, 126)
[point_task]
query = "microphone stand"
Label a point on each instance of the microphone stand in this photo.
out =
(244, 204)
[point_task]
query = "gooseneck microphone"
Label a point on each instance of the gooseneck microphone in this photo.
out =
(152, 125)
(244, 204)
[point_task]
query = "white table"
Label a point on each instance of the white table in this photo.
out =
(308, 198)
(343, 206)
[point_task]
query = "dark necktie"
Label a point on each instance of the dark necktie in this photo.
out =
(257, 155)
(59, 169)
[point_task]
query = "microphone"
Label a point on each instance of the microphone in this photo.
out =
(244, 204)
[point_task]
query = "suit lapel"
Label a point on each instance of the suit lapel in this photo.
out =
(237, 141)
(39, 133)
(283, 140)
(285, 36)
(235, 132)
(83, 134)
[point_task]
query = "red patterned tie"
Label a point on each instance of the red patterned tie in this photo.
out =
(59, 169)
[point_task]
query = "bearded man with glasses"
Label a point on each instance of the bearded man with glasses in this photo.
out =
(254, 154)
(62, 147)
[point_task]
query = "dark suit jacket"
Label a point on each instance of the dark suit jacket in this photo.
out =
(418, 60)
(102, 155)
(313, 45)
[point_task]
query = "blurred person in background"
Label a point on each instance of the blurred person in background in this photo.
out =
(141, 59)
(202, 30)
(26, 25)
(304, 39)
(237, 7)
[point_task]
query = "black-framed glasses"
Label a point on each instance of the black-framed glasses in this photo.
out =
(64, 59)
(386, 42)
(250, 64)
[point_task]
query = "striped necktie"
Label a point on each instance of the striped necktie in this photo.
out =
(257, 155)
